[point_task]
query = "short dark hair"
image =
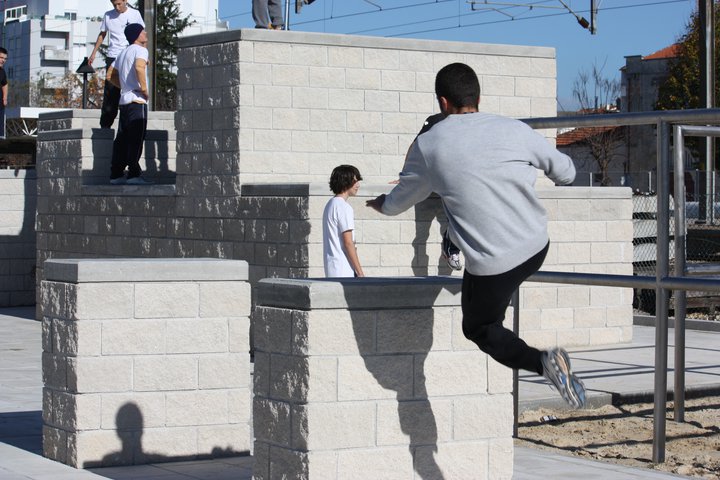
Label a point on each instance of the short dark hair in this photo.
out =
(459, 84)
(343, 177)
(3, 50)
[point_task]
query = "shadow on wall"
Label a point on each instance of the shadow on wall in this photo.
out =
(129, 426)
(394, 346)
(425, 212)
(156, 152)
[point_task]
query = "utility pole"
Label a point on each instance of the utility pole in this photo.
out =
(148, 8)
(706, 18)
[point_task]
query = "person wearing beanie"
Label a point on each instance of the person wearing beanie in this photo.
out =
(113, 23)
(129, 74)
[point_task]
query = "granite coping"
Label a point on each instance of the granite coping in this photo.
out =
(144, 270)
(366, 293)
(362, 41)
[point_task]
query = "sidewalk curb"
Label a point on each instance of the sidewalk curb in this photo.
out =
(690, 323)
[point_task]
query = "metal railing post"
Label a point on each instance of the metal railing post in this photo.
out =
(516, 379)
(661, 293)
(680, 295)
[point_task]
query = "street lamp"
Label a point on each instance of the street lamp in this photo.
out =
(86, 69)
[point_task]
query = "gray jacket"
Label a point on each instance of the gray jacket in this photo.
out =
(484, 168)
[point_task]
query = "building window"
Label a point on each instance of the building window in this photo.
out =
(15, 13)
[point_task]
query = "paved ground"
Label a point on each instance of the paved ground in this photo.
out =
(617, 371)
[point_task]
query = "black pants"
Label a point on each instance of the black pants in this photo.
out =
(111, 100)
(2, 118)
(128, 144)
(484, 302)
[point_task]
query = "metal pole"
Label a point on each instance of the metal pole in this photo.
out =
(516, 379)
(680, 295)
(151, 30)
(84, 100)
(287, 14)
(650, 182)
(661, 294)
(706, 18)
(711, 100)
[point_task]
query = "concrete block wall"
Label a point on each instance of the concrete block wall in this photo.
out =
(17, 237)
(212, 209)
(145, 360)
(591, 231)
(254, 106)
(374, 379)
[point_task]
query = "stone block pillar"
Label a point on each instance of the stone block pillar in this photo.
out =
(373, 378)
(145, 360)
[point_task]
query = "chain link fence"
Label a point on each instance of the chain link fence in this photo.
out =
(702, 228)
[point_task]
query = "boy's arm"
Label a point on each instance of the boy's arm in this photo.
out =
(351, 252)
(98, 42)
(141, 71)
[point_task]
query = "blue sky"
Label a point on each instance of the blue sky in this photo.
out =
(624, 27)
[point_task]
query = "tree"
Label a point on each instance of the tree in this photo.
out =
(169, 25)
(599, 95)
(64, 92)
(681, 90)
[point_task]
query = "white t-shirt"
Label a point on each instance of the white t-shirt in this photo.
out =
(129, 83)
(114, 24)
(338, 217)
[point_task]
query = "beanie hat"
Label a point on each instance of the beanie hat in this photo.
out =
(132, 32)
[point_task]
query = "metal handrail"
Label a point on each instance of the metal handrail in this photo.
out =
(662, 282)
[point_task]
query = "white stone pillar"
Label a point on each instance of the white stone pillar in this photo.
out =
(373, 378)
(145, 360)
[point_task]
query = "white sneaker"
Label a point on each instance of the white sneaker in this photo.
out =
(450, 252)
(556, 368)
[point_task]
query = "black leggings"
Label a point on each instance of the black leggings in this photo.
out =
(484, 302)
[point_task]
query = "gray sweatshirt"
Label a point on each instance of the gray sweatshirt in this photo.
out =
(484, 168)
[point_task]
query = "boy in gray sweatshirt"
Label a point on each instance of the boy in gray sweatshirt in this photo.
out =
(484, 168)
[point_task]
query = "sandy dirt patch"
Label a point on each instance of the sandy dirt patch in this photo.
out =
(623, 434)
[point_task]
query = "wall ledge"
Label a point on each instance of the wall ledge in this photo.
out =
(145, 270)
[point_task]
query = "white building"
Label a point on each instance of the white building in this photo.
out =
(52, 37)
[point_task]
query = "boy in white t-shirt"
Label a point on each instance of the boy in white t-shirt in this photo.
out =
(113, 23)
(129, 73)
(339, 252)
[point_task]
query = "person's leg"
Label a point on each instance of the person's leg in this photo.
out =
(111, 101)
(135, 137)
(2, 120)
(484, 302)
(260, 13)
(276, 13)
(119, 153)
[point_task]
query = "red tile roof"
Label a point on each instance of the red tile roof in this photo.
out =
(668, 52)
(579, 135)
